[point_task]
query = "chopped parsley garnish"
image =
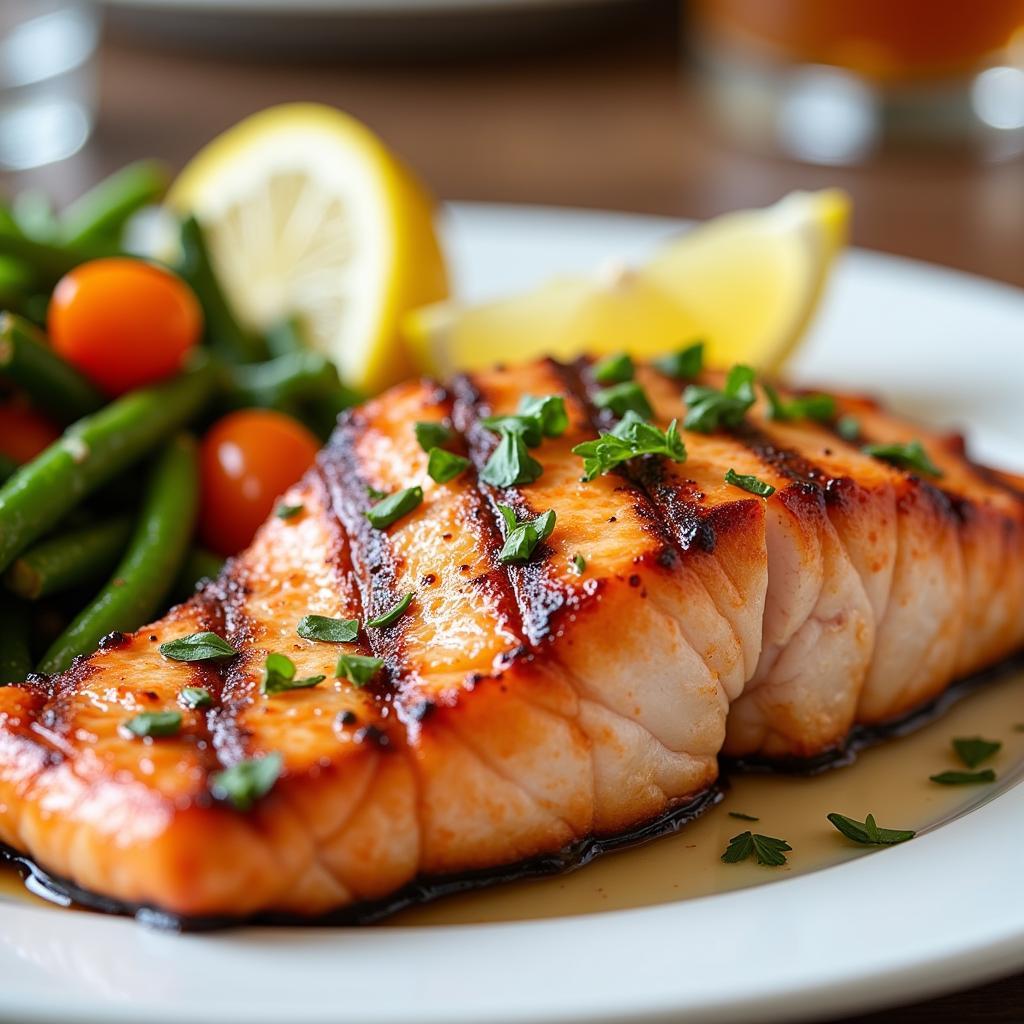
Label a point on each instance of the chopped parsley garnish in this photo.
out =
(614, 369)
(195, 697)
(802, 407)
(907, 456)
(394, 506)
(579, 563)
(522, 538)
(742, 816)
(848, 428)
(632, 437)
(443, 466)
(279, 676)
(330, 631)
(708, 409)
(392, 614)
(244, 783)
(625, 397)
(534, 419)
(765, 850)
(973, 750)
(197, 647)
(357, 668)
(511, 463)
(288, 511)
(684, 364)
(964, 778)
(867, 833)
(374, 494)
(432, 434)
(154, 723)
(753, 484)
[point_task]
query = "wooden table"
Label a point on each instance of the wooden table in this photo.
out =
(613, 121)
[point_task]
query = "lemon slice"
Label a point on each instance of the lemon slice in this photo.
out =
(308, 214)
(746, 283)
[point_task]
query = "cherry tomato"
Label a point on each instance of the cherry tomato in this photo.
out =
(24, 433)
(123, 322)
(247, 460)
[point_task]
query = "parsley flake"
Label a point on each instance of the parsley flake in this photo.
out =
(391, 615)
(867, 833)
(848, 428)
(288, 511)
(534, 419)
(326, 630)
(357, 668)
(579, 564)
(432, 434)
(614, 369)
(964, 778)
(195, 697)
(742, 816)
(510, 463)
(279, 676)
(753, 484)
(910, 456)
(802, 407)
(373, 494)
(197, 647)
(973, 750)
(522, 538)
(443, 465)
(154, 723)
(709, 409)
(766, 850)
(625, 397)
(630, 438)
(684, 364)
(394, 506)
(244, 783)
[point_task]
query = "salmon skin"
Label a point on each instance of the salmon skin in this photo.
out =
(522, 708)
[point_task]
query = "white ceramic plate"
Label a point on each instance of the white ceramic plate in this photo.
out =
(941, 912)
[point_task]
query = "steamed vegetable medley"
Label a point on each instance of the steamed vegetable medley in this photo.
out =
(144, 432)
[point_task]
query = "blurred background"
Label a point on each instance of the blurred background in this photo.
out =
(691, 108)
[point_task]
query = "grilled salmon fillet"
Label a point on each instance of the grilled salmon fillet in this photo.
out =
(669, 618)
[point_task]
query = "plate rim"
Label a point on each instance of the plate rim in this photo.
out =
(988, 941)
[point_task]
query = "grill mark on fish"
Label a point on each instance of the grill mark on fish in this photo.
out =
(374, 564)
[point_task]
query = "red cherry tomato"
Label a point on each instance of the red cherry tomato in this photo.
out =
(247, 460)
(123, 322)
(24, 433)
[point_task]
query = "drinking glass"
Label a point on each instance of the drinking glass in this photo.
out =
(834, 81)
(47, 79)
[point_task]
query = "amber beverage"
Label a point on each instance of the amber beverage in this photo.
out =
(947, 71)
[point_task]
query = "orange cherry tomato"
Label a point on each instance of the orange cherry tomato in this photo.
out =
(24, 433)
(247, 460)
(123, 322)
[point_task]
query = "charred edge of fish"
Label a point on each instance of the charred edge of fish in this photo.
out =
(374, 564)
(785, 461)
(863, 737)
(424, 890)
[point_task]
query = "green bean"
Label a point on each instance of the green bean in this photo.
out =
(53, 385)
(7, 467)
(322, 413)
(33, 214)
(224, 333)
(144, 576)
(15, 656)
(287, 337)
(92, 452)
(101, 213)
(281, 382)
(79, 557)
(199, 565)
(47, 261)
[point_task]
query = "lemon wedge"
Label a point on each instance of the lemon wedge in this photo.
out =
(308, 214)
(746, 283)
